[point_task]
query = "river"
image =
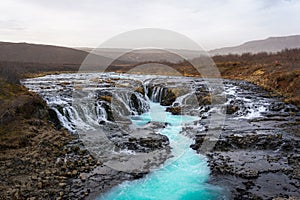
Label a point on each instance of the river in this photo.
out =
(86, 104)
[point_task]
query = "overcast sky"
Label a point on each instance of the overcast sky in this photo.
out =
(88, 23)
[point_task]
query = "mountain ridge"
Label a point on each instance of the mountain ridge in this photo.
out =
(271, 45)
(43, 53)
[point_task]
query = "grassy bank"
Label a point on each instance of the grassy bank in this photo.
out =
(278, 73)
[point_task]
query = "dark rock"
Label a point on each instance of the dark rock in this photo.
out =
(54, 119)
(140, 90)
(135, 104)
(144, 144)
(204, 99)
(231, 109)
(174, 110)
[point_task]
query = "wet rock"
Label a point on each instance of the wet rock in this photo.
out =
(253, 161)
(155, 125)
(231, 109)
(54, 118)
(109, 112)
(136, 105)
(277, 106)
(105, 98)
(104, 95)
(165, 95)
(140, 90)
(144, 144)
(174, 110)
(168, 99)
(204, 99)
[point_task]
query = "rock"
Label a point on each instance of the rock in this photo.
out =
(231, 109)
(54, 118)
(174, 110)
(34, 177)
(40, 185)
(82, 177)
(109, 112)
(155, 125)
(288, 198)
(105, 98)
(171, 94)
(165, 96)
(204, 99)
(74, 172)
(248, 174)
(255, 141)
(143, 143)
(140, 90)
(135, 104)
(62, 184)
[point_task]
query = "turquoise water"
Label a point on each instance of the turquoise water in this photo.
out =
(182, 177)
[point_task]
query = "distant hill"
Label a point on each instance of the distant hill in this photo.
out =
(36, 53)
(146, 54)
(271, 44)
(17, 59)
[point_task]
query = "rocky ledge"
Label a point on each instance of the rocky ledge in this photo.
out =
(255, 166)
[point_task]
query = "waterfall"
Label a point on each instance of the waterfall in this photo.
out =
(89, 100)
(119, 103)
(157, 93)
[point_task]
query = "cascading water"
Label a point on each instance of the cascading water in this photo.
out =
(182, 177)
(110, 98)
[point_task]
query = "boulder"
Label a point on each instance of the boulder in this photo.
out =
(174, 110)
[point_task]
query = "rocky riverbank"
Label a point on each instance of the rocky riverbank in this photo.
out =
(257, 158)
(282, 79)
(37, 161)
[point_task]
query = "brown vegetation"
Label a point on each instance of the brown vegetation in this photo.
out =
(29, 146)
(13, 71)
(276, 72)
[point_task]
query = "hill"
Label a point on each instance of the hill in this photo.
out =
(22, 58)
(36, 53)
(271, 44)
